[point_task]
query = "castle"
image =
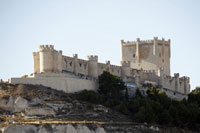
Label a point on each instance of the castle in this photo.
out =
(143, 62)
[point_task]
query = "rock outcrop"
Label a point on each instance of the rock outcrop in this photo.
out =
(38, 109)
(44, 111)
(20, 104)
(51, 129)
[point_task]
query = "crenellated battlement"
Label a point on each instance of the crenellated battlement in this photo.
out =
(146, 41)
(49, 48)
(115, 66)
(128, 43)
(148, 71)
(167, 77)
(143, 41)
(162, 41)
(92, 58)
(185, 78)
(46, 47)
(142, 61)
(108, 62)
(35, 53)
(75, 55)
(47, 59)
(176, 75)
(125, 63)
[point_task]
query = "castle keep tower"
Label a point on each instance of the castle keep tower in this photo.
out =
(47, 59)
(143, 62)
(147, 54)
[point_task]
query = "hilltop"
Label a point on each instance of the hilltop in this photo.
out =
(36, 108)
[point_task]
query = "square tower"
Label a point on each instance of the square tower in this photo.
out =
(147, 54)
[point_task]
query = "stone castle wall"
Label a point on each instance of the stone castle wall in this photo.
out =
(142, 62)
(91, 67)
(178, 84)
(148, 55)
(66, 82)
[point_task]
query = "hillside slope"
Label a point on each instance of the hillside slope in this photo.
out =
(34, 108)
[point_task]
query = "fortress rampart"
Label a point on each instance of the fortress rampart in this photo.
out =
(91, 67)
(143, 61)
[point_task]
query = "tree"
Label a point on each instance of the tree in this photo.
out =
(164, 117)
(138, 94)
(173, 111)
(158, 95)
(135, 104)
(145, 113)
(111, 86)
(194, 96)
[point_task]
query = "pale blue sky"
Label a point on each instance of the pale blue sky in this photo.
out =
(89, 27)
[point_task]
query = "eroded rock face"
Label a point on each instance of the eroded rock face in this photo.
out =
(65, 129)
(51, 129)
(99, 130)
(100, 108)
(4, 104)
(14, 105)
(21, 129)
(42, 130)
(36, 100)
(83, 129)
(10, 104)
(20, 104)
(31, 111)
(70, 129)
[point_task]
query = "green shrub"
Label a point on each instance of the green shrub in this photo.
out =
(90, 96)
(164, 117)
(112, 102)
(145, 114)
(122, 108)
(90, 106)
(111, 86)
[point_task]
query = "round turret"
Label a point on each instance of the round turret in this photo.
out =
(93, 66)
(36, 57)
(59, 65)
(46, 58)
(126, 69)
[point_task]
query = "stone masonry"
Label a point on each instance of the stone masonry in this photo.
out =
(143, 61)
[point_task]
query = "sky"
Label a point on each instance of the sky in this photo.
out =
(95, 27)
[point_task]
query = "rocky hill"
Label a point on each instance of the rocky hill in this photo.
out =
(34, 108)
